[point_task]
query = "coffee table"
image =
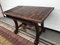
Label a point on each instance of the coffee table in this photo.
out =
(30, 15)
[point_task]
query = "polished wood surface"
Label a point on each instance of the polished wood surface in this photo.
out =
(36, 14)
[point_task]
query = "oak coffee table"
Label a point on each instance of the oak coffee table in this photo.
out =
(30, 15)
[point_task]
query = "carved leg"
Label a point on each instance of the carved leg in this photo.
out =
(42, 26)
(16, 26)
(38, 32)
(37, 35)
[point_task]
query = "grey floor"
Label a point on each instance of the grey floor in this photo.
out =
(49, 35)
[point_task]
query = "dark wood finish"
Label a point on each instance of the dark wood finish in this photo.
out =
(30, 15)
(34, 14)
(16, 26)
(37, 34)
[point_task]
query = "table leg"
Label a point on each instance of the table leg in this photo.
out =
(38, 32)
(42, 27)
(37, 35)
(16, 26)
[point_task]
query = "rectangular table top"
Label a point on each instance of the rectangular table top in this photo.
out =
(31, 13)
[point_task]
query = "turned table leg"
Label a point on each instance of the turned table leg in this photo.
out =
(37, 35)
(42, 27)
(16, 26)
(38, 32)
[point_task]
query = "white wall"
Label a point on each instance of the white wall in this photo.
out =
(53, 21)
(1, 15)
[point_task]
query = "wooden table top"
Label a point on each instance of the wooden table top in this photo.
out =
(31, 13)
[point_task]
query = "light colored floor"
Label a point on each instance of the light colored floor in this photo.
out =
(4, 41)
(49, 35)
